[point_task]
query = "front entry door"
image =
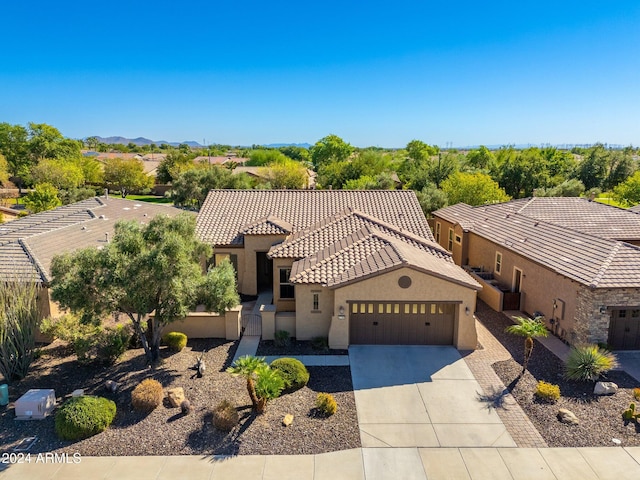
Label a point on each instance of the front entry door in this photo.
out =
(264, 271)
(624, 329)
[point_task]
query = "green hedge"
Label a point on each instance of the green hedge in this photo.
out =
(292, 371)
(82, 417)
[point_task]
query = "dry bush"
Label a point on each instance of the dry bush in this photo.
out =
(147, 395)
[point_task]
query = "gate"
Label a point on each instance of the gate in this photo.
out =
(252, 324)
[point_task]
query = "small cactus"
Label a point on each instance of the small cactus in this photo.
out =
(186, 407)
(631, 414)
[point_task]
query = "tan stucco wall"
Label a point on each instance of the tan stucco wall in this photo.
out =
(424, 288)
(286, 321)
(540, 285)
(253, 244)
(200, 325)
(313, 323)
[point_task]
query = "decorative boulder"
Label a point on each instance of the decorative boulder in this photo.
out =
(567, 416)
(176, 396)
(605, 388)
(287, 420)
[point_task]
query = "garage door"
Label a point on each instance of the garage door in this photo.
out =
(624, 329)
(401, 323)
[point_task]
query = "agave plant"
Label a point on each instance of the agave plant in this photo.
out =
(588, 363)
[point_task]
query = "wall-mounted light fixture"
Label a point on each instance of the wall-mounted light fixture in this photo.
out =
(341, 313)
(466, 310)
(603, 309)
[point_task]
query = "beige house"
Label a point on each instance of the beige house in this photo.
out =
(353, 266)
(574, 261)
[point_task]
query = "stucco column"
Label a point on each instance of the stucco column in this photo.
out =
(268, 313)
(339, 332)
(232, 323)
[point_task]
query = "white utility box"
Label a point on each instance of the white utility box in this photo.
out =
(35, 404)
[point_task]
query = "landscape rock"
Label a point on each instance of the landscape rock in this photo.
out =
(605, 388)
(567, 416)
(111, 386)
(287, 420)
(176, 396)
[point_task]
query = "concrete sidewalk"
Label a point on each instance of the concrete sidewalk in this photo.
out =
(613, 463)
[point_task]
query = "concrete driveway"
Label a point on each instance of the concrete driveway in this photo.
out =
(421, 396)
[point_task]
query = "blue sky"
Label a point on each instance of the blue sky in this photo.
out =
(374, 73)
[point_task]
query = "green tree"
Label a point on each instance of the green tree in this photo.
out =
(91, 142)
(191, 187)
(431, 199)
(43, 197)
(62, 174)
(520, 173)
(300, 154)
(330, 149)
(628, 192)
(126, 175)
(419, 152)
(14, 145)
(619, 167)
(473, 189)
(151, 269)
(441, 168)
(92, 170)
(19, 319)
(529, 329)
(382, 181)
(286, 173)
(592, 170)
(481, 159)
(568, 188)
(269, 385)
(248, 367)
(261, 157)
(4, 170)
(173, 165)
(46, 141)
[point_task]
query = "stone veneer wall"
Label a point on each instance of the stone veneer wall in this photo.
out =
(591, 326)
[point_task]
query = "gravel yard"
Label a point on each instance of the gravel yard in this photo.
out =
(600, 416)
(165, 431)
(268, 348)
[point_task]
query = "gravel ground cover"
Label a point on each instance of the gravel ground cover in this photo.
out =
(600, 416)
(165, 431)
(295, 347)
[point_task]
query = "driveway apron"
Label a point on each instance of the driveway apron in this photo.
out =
(421, 396)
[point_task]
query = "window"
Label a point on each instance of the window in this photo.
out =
(316, 301)
(286, 287)
(450, 242)
(219, 257)
(498, 268)
(458, 239)
(438, 232)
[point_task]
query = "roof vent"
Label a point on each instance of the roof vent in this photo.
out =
(84, 227)
(102, 217)
(106, 237)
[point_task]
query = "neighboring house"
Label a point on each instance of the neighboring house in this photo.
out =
(575, 261)
(220, 160)
(353, 266)
(28, 244)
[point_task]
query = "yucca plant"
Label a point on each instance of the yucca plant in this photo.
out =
(588, 363)
(529, 329)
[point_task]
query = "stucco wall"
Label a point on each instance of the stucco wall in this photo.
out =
(309, 322)
(539, 284)
(240, 254)
(287, 321)
(253, 244)
(200, 325)
(424, 288)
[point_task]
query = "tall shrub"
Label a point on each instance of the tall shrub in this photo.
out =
(18, 323)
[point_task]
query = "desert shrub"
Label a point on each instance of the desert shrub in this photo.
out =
(588, 363)
(320, 343)
(292, 371)
(326, 404)
(90, 342)
(147, 395)
(225, 416)
(281, 339)
(269, 385)
(176, 341)
(82, 417)
(636, 393)
(547, 392)
(18, 323)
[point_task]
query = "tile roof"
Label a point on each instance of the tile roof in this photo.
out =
(268, 225)
(369, 251)
(225, 212)
(336, 227)
(28, 244)
(597, 262)
(580, 214)
(635, 209)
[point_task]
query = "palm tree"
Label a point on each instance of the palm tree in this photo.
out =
(529, 329)
(248, 367)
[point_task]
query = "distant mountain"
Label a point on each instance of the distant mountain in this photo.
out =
(142, 141)
(278, 145)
